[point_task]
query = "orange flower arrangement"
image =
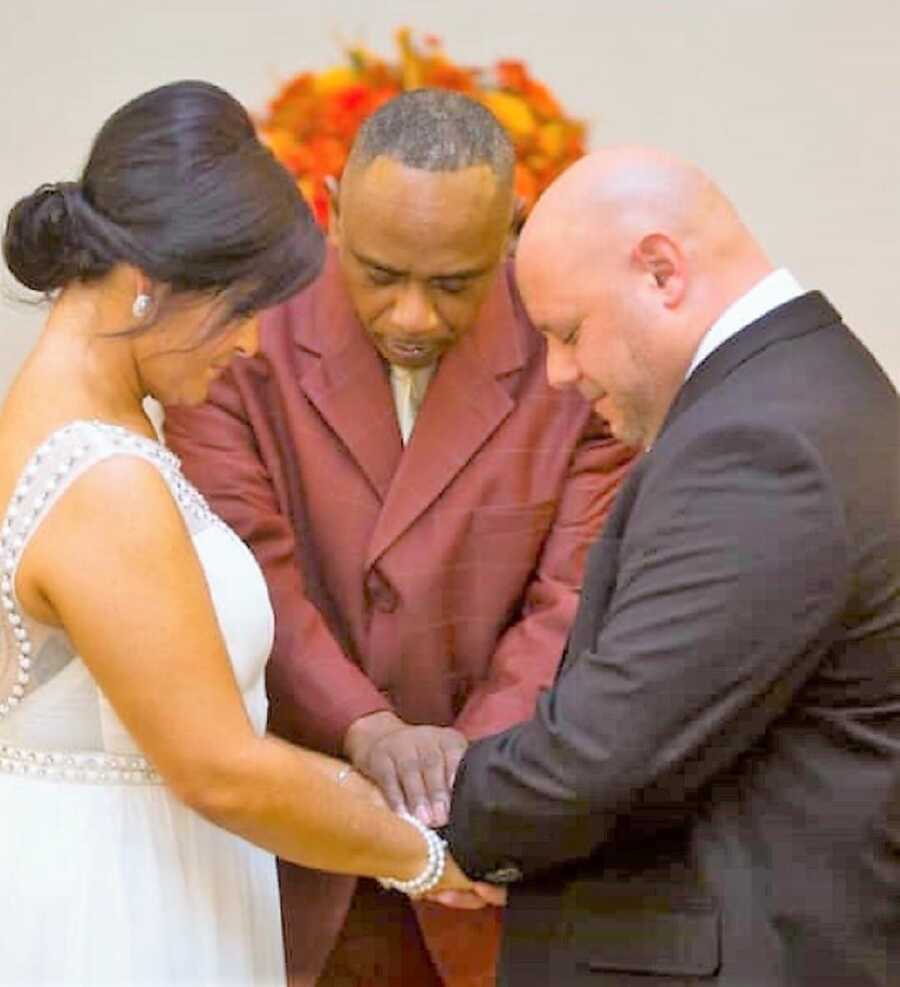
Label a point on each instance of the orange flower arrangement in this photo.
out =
(311, 122)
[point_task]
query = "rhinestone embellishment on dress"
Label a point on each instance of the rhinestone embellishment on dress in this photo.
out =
(78, 444)
(21, 514)
(90, 768)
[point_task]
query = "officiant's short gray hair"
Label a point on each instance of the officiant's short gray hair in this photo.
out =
(435, 130)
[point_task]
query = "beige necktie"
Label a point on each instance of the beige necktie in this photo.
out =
(409, 386)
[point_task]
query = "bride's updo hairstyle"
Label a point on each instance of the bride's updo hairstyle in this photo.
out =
(178, 185)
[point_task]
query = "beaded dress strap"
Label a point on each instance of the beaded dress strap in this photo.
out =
(56, 463)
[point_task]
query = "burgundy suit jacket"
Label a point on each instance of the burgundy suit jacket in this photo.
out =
(439, 580)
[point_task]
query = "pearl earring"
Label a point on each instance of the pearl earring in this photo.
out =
(141, 307)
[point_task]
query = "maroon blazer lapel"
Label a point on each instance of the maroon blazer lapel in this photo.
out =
(464, 405)
(348, 383)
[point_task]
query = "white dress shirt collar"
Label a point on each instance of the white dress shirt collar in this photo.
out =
(774, 289)
(409, 385)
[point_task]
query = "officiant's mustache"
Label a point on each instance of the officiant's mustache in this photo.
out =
(427, 339)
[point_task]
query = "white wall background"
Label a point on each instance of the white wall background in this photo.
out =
(793, 105)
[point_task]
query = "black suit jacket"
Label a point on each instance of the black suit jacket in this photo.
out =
(710, 794)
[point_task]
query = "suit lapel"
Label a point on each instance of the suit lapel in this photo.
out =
(805, 314)
(348, 384)
(463, 407)
(602, 568)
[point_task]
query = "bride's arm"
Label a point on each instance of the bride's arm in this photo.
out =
(114, 564)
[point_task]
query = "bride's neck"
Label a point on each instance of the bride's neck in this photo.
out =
(93, 365)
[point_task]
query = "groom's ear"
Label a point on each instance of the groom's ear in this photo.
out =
(663, 263)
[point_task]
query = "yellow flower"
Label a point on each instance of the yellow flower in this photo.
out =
(312, 120)
(511, 111)
(551, 139)
(333, 79)
(410, 60)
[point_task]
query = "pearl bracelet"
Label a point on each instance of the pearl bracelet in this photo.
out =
(433, 870)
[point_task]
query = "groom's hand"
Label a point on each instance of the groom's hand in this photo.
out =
(414, 766)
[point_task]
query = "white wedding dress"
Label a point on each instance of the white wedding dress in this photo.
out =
(105, 878)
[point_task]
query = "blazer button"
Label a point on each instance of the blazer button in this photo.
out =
(381, 594)
(507, 874)
(386, 601)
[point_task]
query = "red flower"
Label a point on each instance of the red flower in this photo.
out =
(313, 119)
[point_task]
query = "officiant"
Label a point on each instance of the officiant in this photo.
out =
(420, 500)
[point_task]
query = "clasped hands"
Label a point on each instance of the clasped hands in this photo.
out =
(414, 768)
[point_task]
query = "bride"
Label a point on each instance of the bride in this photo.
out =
(141, 799)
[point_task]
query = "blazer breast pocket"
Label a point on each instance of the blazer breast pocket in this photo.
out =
(527, 520)
(501, 553)
(643, 927)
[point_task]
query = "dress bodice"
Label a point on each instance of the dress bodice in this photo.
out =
(49, 702)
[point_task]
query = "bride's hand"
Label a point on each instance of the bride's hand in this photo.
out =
(484, 894)
(456, 890)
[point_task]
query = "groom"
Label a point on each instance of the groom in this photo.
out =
(710, 794)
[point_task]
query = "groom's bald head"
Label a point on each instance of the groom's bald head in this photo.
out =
(636, 253)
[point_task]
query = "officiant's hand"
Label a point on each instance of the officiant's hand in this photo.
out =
(414, 766)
